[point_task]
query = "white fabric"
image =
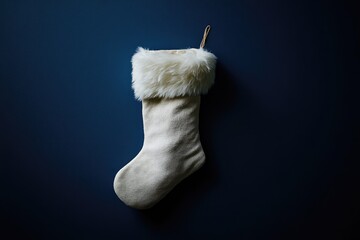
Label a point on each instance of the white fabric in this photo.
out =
(169, 83)
(171, 152)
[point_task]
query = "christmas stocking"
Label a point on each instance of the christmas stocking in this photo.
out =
(169, 84)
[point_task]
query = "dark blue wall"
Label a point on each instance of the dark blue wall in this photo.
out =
(280, 127)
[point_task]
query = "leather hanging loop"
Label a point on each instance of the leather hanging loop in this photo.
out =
(206, 33)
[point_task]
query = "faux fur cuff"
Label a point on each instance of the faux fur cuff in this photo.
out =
(172, 73)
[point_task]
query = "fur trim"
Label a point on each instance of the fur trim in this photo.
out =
(172, 73)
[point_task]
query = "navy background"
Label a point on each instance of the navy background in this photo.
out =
(280, 127)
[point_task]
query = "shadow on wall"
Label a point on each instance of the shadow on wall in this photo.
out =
(183, 197)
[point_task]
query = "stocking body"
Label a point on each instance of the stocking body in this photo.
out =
(171, 151)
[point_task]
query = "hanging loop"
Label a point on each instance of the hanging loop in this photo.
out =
(206, 33)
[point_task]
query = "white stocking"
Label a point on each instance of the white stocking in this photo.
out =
(169, 84)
